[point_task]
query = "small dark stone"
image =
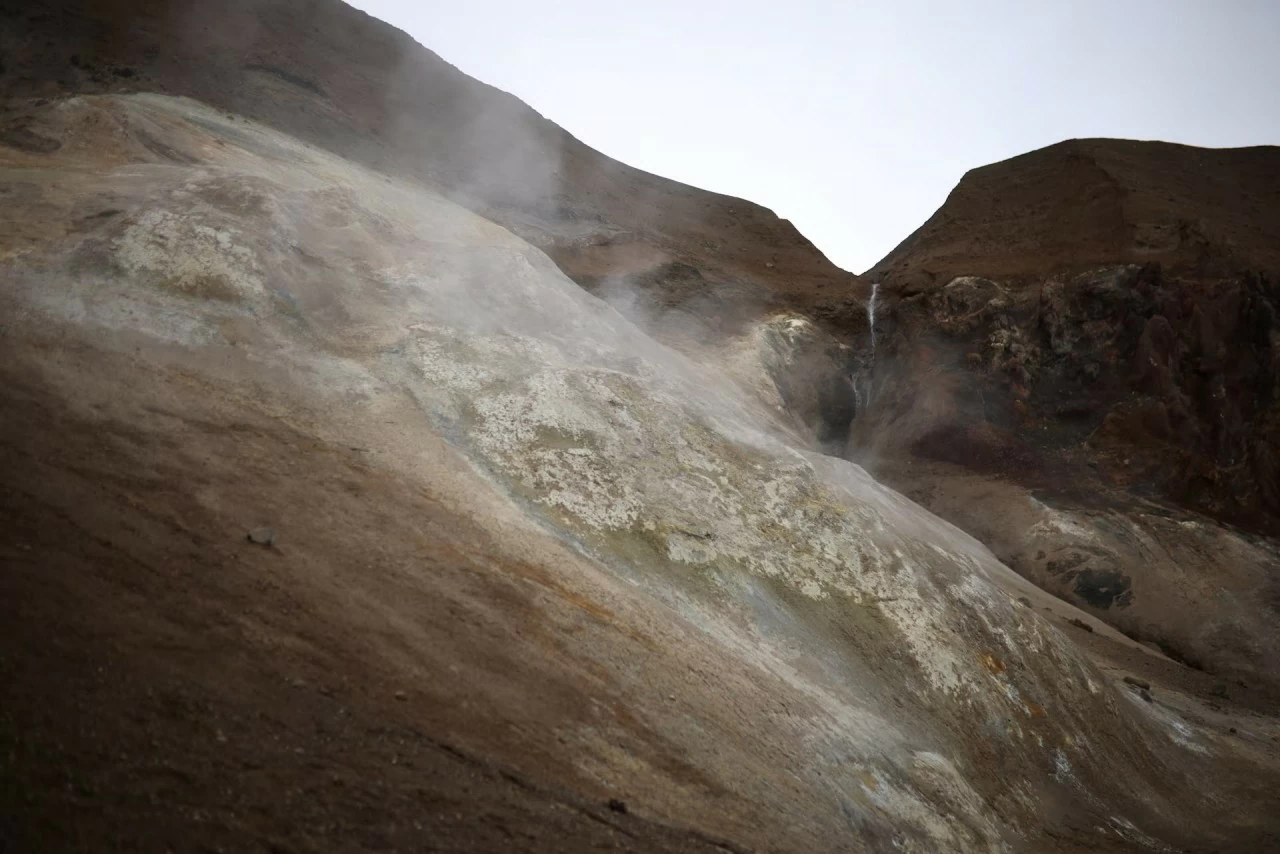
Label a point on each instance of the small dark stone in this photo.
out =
(125, 72)
(1081, 624)
(401, 696)
(1231, 730)
(618, 806)
(1137, 683)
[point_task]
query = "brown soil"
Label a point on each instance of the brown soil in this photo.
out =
(167, 685)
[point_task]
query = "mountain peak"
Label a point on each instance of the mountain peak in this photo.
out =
(1083, 203)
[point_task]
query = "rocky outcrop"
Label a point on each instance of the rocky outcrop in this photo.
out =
(1035, 331)
(1163, 383)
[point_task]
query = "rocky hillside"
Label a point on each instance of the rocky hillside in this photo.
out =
(328, 483)
(1090, 332)
(337, 514)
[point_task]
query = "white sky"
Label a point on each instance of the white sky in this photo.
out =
(855, 119)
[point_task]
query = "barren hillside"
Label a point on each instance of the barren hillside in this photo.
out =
(339, 512)
(1087, 203)
(1086, 337)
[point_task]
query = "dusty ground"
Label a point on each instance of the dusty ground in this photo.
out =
(168, 685)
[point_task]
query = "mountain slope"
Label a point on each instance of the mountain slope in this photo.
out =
(1087, 336)
(512, 538)
(336, 516)
(692, 266)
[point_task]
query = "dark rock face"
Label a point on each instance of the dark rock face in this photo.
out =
(1168, 384)
(1102, 588)
(1094, 325)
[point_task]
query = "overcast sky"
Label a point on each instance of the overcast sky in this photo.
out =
(855, 119)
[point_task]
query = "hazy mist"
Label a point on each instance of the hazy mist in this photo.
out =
(855, 119)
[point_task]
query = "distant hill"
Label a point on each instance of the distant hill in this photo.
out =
(1090, 202)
